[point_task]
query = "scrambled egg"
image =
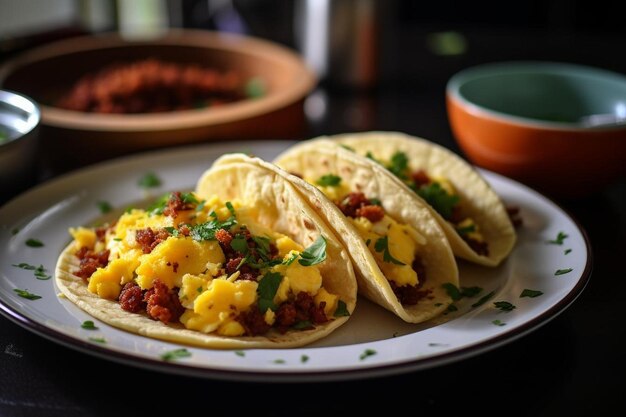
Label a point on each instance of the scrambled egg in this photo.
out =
(196, 267)
(402, 240)
(402, 245)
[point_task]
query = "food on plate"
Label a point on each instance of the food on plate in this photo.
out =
(153, 85)
(400, 254)
(241, 262)
(473, 216)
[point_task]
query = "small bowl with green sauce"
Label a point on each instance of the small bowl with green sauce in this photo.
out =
(559, 127)
(19, 124)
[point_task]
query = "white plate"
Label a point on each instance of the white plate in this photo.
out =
(372, 343)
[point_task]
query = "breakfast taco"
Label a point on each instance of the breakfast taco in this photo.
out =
(402, 259)
(241, 262)
(473, 216)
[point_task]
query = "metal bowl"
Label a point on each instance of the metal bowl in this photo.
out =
(19, 124)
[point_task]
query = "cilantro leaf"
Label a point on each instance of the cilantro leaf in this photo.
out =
(452, 291)
(104, 207)
(206, 231)
(175, 354)
(504, 305)
(483, 299)
(530, 293)
(329, 180)
(398, 164)
(26, 294)
(438, 198)
(498, 322)
(470, 291)
(367, 353)
(314, 254)
(382, 245)
(34, 243)
(149, 180)
(88, 325)
(563, 271)
(239, 244)
(266, 290)
(341, 310)
(560, 237)
(290, 260)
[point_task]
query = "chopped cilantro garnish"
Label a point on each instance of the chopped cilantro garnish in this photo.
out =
(452, 291)
(40, 271)
(34, 243)
(470, 291)
(382, 245)
(349, 148)
(172, 231)
(240, 353)
(329, 180)
(230, 208)
(206, 231)
(483, 299)
(88, 325)
(398, 164)
(567, 251)
(239, 244)
(341, 310)
(314, 254)
(438, 198)
(157, 207)
(304, 358)
(376, 201)
(267, 290)
(24, 265)
(504, 305)
(370, 155)
(262, 246)
(290, 260)
(98, 339)
(367, 353)
(189, 198)
(175, 354)
(26, 294)
(498, 322)
(200, 205)
(563, 271)
(302, 325)
(560, 237)
(530, 293)
(279, 361)
(149, 180)
(466, 229)
(104, 206)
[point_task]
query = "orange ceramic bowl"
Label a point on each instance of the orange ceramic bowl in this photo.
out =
(529, 121)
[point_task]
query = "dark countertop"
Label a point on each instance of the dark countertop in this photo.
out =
(574, 365)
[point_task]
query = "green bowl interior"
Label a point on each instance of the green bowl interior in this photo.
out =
(560, 93)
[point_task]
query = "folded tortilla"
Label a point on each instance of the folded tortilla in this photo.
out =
(275, 205)
(478, 202)
(360, 174)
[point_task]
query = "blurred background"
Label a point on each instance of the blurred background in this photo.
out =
(408, 51)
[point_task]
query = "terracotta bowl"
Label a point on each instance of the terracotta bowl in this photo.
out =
(74, 137)
(530, 121)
